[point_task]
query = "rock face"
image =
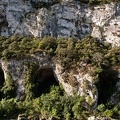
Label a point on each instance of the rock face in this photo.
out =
(76, 81)
(72, 81)
(19, 71)
(64, 19)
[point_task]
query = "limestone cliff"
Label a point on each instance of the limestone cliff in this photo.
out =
(73, 81)
(60, 19)
(32, 67)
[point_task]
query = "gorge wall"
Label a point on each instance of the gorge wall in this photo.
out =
(74, 81)
(60, 19)
(65, 18)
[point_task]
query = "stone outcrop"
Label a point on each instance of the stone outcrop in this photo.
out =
(72, 81)
(77, 81)
(58, 18)
(61, 19)
(19, 71)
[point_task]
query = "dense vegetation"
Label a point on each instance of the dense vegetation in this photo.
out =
(104, 59)
(89, 50)
(56, 104)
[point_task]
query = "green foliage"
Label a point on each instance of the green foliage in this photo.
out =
(9, 88)
(66, 51)
(29, 85)
(58, 106)
(50, 103)
(53, 104)
(18, 47)
(89, 51)
(101, 108)
(8, 108)
(109, 111)
(49, 44)
(79, 109)
(102, 59)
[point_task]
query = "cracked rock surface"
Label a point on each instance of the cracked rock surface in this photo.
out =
(60, 19)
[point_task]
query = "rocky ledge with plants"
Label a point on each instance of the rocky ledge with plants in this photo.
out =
(59, 78)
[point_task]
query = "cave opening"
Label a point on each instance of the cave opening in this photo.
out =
(106, 85)
(43, 80)
(2, 80)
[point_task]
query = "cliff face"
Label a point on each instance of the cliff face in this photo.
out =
(61, 19)
(65, 18)
(41, 69)
(73, 81)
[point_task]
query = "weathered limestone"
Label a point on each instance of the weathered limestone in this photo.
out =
(72, 81)
(76, 81)
(64, 19)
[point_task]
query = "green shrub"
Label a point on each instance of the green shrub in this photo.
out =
(8, 109)
(9, 88)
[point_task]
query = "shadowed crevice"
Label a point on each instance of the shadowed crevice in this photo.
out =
(2, 80)
(107, 84)
(43, 80)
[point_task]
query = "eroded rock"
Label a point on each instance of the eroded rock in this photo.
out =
(63, 19)
(72, 81)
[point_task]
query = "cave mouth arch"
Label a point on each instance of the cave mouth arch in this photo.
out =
(2, 80)
(43, 80)
(106, 86)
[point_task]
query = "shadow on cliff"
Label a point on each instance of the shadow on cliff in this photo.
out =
(107, 84)
(2, 80)
(43, 80)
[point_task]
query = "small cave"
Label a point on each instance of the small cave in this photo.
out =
(2, 80)
(43, 80)
(106, 85)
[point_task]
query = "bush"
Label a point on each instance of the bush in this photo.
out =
(9, 89)
(8, 108)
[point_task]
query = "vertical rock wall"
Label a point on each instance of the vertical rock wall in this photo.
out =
(64, 19)
(75, 82)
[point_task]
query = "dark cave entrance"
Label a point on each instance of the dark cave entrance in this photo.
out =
(2, 80)
(43, 80)
(106, 85)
